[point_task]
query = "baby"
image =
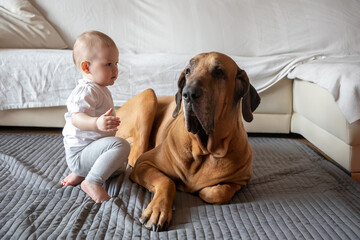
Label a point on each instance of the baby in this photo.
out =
(93, 154)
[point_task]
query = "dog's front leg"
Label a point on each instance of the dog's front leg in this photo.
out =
(158, 213)
(220, 193)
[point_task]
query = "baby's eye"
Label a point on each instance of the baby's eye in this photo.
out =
(108, 64)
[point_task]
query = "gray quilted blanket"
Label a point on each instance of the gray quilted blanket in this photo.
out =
(294, 194)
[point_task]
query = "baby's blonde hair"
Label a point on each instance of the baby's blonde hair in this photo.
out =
(86, 44)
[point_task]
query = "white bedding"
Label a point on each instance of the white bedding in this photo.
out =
(157, 38)
(44, 78)
(340, 76)
(35, 78)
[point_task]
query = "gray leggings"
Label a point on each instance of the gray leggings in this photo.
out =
(101, 159)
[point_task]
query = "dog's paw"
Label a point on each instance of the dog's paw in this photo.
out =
(156, 217)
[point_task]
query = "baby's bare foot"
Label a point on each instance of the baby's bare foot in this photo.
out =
(72, 179)
(96, 192)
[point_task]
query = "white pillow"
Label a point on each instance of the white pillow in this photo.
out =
(22, 26)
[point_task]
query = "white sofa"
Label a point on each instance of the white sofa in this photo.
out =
(269, 39)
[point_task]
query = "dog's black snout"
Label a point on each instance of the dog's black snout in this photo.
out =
(191, 93)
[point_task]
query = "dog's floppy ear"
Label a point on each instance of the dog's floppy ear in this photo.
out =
(178, 95)
(250, 97)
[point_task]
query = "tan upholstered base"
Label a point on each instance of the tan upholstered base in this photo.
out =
(317, 117)
(34, 117)
(274, 112)
(332, 146)
(269, 123)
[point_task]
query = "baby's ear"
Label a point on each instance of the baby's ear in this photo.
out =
(84, 65)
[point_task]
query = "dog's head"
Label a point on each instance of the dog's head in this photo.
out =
(210, 87)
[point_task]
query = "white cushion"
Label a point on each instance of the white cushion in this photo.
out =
(234, 27)
(340, 76)
(22, 26)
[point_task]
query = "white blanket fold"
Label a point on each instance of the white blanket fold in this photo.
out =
(340, 75)
(45, 78)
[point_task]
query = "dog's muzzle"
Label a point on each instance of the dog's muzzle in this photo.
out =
(191, 94)
(196, 117)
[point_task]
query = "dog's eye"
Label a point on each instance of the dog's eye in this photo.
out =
(218, 72)
(187, 71)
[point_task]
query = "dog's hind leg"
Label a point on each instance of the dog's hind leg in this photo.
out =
(137, 117)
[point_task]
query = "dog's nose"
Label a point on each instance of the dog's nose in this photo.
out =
(191, 93)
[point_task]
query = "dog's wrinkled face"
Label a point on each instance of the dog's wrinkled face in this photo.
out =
(205, 91)
(209, 87)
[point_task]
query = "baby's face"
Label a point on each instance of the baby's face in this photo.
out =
(104, 68)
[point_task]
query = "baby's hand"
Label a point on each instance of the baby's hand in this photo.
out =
(108, 123)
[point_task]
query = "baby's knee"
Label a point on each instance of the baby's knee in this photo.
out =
(122, 145)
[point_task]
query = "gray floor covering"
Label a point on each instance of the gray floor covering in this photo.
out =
(294, 194)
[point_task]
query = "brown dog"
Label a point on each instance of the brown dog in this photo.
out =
(201, 146)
